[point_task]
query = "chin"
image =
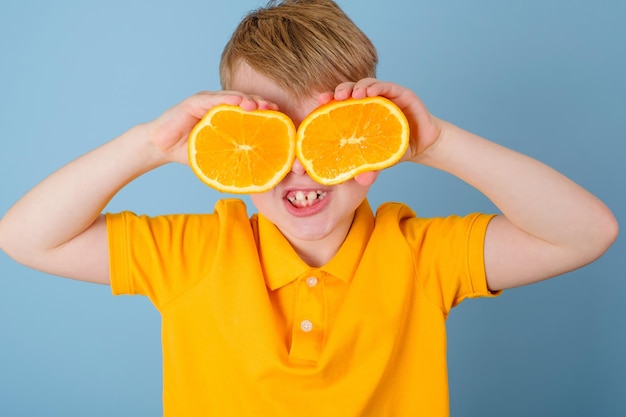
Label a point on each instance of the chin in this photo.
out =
(305, 230)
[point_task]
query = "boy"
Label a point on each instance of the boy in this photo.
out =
(313, 306)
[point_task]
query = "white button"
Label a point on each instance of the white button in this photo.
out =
(311, 282)
(306, 326)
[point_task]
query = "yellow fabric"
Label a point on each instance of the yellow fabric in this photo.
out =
(233, 296)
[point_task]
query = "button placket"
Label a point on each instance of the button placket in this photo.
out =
(311, 282)
(308, 327)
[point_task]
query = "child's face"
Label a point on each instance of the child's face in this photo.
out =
(308, 214)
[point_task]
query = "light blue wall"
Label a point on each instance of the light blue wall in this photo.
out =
(546, 77)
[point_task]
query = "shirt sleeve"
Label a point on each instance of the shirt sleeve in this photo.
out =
(159, 257)
(449, 257)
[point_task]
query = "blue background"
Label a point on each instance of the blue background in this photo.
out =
(545, 77)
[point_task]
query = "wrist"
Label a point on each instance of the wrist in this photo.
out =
(144, 148)
(439, 150)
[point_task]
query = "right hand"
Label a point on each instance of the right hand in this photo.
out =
(169, 132)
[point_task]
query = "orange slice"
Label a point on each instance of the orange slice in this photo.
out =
(344, 138)
(239, 151)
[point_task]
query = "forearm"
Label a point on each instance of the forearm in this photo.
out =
(534, 197)
(67, 202)
(549, 225)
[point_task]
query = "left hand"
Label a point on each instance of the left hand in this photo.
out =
(425, 128)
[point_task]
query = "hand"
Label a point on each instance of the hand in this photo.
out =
(425, 129)
(169, 132)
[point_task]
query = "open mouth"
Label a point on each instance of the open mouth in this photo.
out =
(302, 199)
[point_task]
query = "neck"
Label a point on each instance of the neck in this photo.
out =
(317, 253)
(316, 257)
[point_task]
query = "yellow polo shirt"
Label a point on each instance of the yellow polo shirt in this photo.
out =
(249, 329)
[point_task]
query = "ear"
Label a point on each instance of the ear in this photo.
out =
(367, 178)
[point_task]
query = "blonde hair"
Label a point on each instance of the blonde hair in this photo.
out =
(304, 46)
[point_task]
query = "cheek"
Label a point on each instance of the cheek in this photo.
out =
(354, 192)
(261, 201)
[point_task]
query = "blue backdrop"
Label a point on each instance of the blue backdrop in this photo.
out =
(545, 77)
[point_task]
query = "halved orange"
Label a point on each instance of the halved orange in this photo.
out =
(239, 151)
(344, 138)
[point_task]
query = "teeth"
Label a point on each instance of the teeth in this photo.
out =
(301, 197)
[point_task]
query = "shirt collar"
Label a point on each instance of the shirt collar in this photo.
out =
(282, 265)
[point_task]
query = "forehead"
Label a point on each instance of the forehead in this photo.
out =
(248, 81)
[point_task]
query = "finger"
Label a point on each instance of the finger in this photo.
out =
(366, 178)
(256, 103)
(344, 91)
(248, 103)
(205, 100)
(198, 104)
(263, 104)
(362, 88)
(325, 97)
(388, 90)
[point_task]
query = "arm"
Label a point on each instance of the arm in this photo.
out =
(57, 226)
(549, 225)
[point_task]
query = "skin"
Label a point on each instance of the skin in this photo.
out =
(317, 233)
(548, 226)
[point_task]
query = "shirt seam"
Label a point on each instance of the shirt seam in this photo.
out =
(129, 288)
(418, 281)
(470, 269)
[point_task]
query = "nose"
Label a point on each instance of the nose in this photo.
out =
(297, 167)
